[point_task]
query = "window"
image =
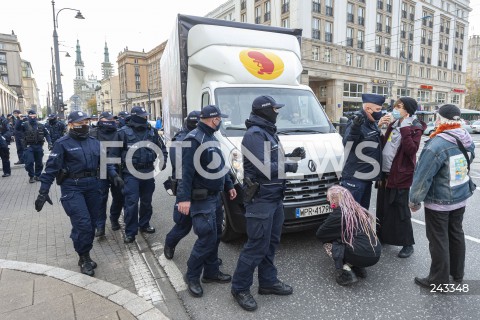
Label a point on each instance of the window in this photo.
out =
(328, 31)
(351, 89)
(386, 66)
(286, 23)
(360, 39)
(423, 96)
(258, 15)
(350, 16)
(403, 93)
(379, 22)
(440, 97)
(350, 37)
(3, 57)
(422, 72)
(388, 25)
(454, 78)
(429, 73)
(359, 61)
(266, 8)
(455, 99)
(401, 68)
(315, 53)
(439, 75)
(377, 64)
(243, 17)
(348, 59)
(316, 28)
(327, 56)
(323, 91)
(383, 90)
(378, 44)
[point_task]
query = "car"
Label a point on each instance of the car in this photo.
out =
(466, 126)
(475, 126)
(430, 128)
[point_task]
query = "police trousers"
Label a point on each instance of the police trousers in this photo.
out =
(182, 227)
(207, 225)
(33, 155)
(361, 190)
(80, 201)
(116, 206)
(5, 155)
(264, 228)
(136, 216)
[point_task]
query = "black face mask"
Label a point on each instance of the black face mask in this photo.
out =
(32, 120)
(377, 115)
(267, 114)
(108, 125)
(79, 131)
(191, 124)
(138, 119)
(52, 121)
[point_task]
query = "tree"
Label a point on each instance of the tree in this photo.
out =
(92, 106)
(472, 99)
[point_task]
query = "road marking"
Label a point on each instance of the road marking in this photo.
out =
(174, 274)
(466, 237)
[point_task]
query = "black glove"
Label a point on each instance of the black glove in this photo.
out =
(358, 120)
(50, 146)
(291, 167)
(298, 152)
(118, 182)
(41, 199)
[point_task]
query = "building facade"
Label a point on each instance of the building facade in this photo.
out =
(390, 47)
(8, 99)
(31, 97)
(108, 95)
(11, 67)
(83, 87)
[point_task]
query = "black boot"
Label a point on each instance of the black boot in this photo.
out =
(93, 263)
(100, 232)
(85, 266)
(346, 277)
(115, 225)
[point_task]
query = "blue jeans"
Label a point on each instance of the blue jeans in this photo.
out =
(80, 201)
(136, 216)
(33, 154)
(361, 190)
(264, 228)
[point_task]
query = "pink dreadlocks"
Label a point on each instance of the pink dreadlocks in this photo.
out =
(354, 216)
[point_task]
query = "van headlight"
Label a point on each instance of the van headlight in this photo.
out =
(236, 163)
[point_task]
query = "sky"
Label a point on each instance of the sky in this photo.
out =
(138, 25)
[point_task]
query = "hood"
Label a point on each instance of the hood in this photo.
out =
(461, 134)
(255, 120)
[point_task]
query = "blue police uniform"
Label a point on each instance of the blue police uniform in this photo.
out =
(139, 189)
(18, 134)
(107, 131)
(80, 157)
(370, 163)
(264, 214)
(55, 128)
(35, 135)
(206, 212)
(5, 138)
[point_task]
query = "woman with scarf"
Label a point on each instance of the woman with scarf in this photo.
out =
(442, 182)
(74, 161)
(399, 155)
(348, 236)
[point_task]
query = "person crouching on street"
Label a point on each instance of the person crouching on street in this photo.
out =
(74, 161)
(348, 236)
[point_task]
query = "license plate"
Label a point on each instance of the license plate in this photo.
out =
(313, 211)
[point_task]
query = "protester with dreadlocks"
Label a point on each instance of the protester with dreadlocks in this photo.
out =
(348, 236)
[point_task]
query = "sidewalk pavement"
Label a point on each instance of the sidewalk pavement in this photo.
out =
(44, 238)
(36, 291)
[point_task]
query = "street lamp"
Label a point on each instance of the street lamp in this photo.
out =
(408, 55)
(59, 90)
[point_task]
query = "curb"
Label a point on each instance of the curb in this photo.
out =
(136, 305)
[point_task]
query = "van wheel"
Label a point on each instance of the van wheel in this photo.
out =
(228, 234)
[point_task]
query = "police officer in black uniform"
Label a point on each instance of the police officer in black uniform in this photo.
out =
(123, 117)
(35, 135)
(75, 160)
(6, 133)
(264, 213)
(183, 223)
(55, 127)
(358, 174)
(198, 195)
(18, 134)
(138, 171)
(106, 130)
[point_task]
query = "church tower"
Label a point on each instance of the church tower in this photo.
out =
(79, 81)
(107, 67)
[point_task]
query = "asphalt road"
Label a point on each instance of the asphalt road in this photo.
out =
(387, 293)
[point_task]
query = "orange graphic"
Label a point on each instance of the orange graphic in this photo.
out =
(262, 64)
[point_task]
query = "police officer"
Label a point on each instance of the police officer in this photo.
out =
(123, 117)
(55, 127)
(18, 134)
(199, 196)
(35, 135)
(76, 158)
(5, 138)
(363, 132)
(138, 171)
(264, 212)
(183, 223)
(106, 130)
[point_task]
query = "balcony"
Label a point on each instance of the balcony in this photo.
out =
(285, 7)
(410, 56)
(379, 27)
(404, 34)
(445, 64)
(456, 34)
(430, 42)
(441, 28)
(387, 51)
(388, 29)
(404, 14)
(461, 52)
(361, 21)
(360, 44)
(389, 8)
(439, 63)
(424, 40)
(350, 17)
(266, 16)
(349, 42)
(430, 24)
(447, 30)
(422, 59)
(424, 22)
(316, 7)
(316, 34)
(379, 5)
(454, 66)
(460, 67)
(446, 47)
(258, 20)
(329, 11)
(378, 48)
(412, 17)
(456, 50)
(243, 5)
(410, 36)
(440, 46)
(328, 37)
(461, 36)
(429, 60)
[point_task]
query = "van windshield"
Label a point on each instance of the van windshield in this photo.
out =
(301, 114)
